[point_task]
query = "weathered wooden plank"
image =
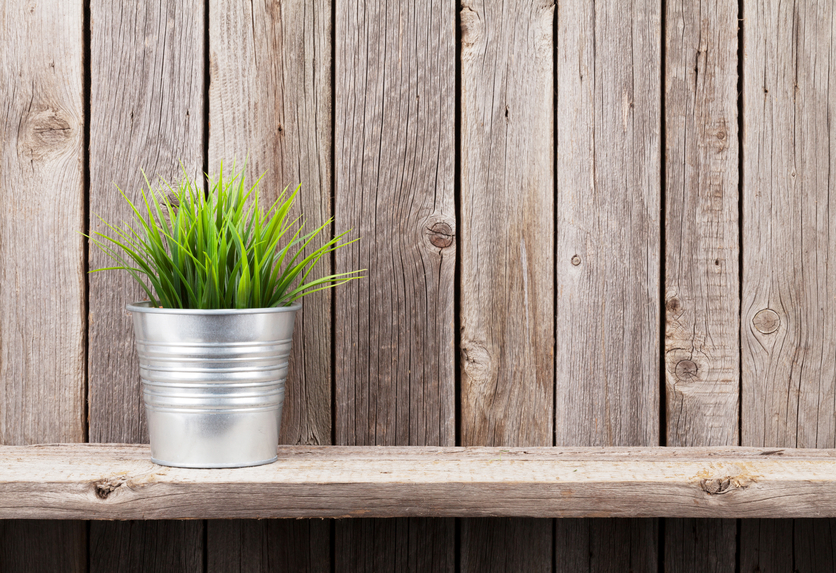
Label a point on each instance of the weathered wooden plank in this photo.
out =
(270, 105)
(507, 248)
(787, 331)
(702, 321)
(106, 481)
(608, 247)
(36, 545)
(42, 281)
(253, 546)
(394, 157)
(146, 113)
(403, 544)
(146, 546)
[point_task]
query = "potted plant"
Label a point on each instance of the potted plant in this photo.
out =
(223, 279)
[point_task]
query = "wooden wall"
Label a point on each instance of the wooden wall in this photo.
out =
(585, 223)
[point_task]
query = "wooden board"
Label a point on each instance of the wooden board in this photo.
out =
(507, 249)
(42, 281)
(146, 113)
(608, 249)
(702, 321)
(118, 481)
(788, 329)
(394, 330)
(255, 546)
(270, 108)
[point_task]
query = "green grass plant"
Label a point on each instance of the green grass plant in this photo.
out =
(219, 250)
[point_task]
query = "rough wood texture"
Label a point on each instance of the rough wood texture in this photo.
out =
(608, 248)
(702, 321)
(254, 546)
(507, 250)
(42, 282)
(270, 105)
(701, 232)
(788, 329)
(146, 546)
(393, 161)
(35, 545)
(404, 544)
(107, 481)
(146, 113)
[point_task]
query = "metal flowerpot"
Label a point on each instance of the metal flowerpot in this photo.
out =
(213, 382)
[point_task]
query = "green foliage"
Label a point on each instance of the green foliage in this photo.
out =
(214, 251)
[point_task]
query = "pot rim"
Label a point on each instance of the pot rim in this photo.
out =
(143, 306)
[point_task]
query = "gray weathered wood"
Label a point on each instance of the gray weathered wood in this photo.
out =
(507, 248)
(788, 329)
(394, 169)
(270, 106)
(37, 545)
(42, 279)
(146, 547)
(255, 546)
(117, 481)
(42, 282)
(701, 231)
(608, 248)
(702, 366)
(146, 113)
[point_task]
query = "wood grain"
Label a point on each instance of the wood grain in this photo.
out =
(42, 282)
(255, 546)
(507, 248)
(608, 249)
(787, 333)
(146, 546)
(394, 330)
(116, 481)
(702, 320)
(37, 545)
(270, 106)
(146, 113)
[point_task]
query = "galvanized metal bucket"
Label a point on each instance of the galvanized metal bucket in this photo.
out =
(213, 382)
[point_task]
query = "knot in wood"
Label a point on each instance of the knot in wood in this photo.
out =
(673, 305)
(727, 484)
(107, 486)
(441, 234)
(47, 131)
(686, 370)
(576, 260)
(766, 321)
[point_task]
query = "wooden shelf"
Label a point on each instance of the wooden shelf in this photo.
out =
(115, 481)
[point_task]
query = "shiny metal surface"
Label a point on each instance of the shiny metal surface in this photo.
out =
(213, 383)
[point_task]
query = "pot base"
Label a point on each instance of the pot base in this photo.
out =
(213, 466)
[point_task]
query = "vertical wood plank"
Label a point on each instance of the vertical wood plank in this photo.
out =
(394, 156)
(42, 281)
(270, 105)
(607, 258)
(146, 113)
(254, 546)
(507, 246)
(141, 546)
(701, 256)
(788, 329)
